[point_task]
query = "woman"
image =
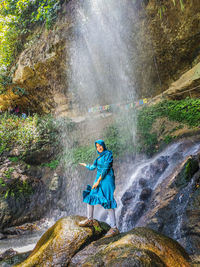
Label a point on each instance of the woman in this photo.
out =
(103, 188)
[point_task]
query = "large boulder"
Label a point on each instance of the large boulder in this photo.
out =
(174, 206)
(187, 85)
(27, 192)
(59, 244)
(67, 244)
(141, 247)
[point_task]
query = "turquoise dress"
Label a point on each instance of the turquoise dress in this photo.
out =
(104, 193)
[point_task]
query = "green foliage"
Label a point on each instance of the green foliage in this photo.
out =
(19, 91)
(15, 131)
(83, 154)
(119, 137)
(168, 138)
(17, 19)
(8, 172)
(185, 111)
(52, 165)
(18, 188)
(162, 7)
(27, 134)
(14, 159)
(186, 174)
(5, 80)
(2, 182)
(28, 12)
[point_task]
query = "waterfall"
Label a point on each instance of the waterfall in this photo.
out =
(149, 176)
(101, 70)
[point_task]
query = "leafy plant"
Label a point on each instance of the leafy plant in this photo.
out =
(2, 182)
(14, 159)
(17, 20)
(8, 173)
(52, 165)
(185, 111)
(17, 189)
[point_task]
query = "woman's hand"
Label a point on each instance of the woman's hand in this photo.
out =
(83, 164)
(95, 185)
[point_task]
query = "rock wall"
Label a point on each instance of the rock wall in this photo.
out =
(167, 43)
(164, 43)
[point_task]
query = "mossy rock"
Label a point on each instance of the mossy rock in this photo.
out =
(140, 247)
(58, 245)
(189, 169)
(124, 256)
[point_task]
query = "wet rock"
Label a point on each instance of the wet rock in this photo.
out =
(127, 197)
(139, 247)
(2, 236)
(155, 169)
(142, 182)
(13, 259)
(134, 214)
(59, 244)
(41, 154)
(8, 253)
(174, 209)
(28, 192)
(146, 193)
(12, 231)
(190, 167)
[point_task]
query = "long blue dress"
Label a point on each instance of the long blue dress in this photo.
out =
(104, 193)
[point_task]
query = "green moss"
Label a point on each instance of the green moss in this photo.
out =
(186, 111)
(186, 174)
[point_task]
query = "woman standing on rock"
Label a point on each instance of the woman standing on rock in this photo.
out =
(103, 188)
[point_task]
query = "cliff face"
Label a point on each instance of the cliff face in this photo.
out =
(166, 45)
(41, 70)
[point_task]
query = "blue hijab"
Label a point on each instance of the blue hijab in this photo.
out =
(101, 143)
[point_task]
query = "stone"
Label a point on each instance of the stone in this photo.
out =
(155, 169)
(180, 89)
(64, 239)
(140, 247)
(146, 193)
(142, 182)
(7, 254)
(174, 209)
(127, 197)
(190, 167)
(2, 236)
(132, 215)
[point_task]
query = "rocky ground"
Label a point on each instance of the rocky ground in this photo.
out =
(171, 206)
(67, 244)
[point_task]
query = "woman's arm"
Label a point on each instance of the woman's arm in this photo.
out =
(97, 183)
(88, 166)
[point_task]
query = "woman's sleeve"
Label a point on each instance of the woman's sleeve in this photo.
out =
(91, 167)
(107, 164)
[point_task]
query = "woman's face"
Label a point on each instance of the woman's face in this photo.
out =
(99, 148)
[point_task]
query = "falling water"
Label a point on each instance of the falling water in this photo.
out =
(101, 70)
